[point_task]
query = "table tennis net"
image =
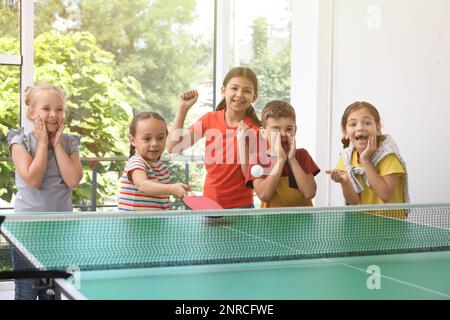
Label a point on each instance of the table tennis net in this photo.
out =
(98, 241)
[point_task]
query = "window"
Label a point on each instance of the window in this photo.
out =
(9, 27)
(261, 39)
(9, 118)
(116, 58)
(10, 61)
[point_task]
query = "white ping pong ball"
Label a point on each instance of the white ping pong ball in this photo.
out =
(257, 171)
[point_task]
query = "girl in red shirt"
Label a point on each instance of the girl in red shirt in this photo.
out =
(225, 179)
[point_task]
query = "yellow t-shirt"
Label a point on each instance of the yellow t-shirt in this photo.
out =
(286, 196)
(388, 165)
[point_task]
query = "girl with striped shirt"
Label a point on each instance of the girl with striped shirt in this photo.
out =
(145, 183)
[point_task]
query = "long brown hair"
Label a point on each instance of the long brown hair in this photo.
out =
(250, 75)
(355, 106)
(142, 116)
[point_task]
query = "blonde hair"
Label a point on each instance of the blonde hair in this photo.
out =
(32, 93)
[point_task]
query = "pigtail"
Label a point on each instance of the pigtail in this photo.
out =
(380, 139)
(222, 105)
(345, 142)
(132, 150)
(28, 95)
(251, 114)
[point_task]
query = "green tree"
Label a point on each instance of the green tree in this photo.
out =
(9, 114)
(99, 105)
(273, 69)
(260, 36)
(149, 39)
(9, 19)
(48, 12)
(9, 118)
(143, 55)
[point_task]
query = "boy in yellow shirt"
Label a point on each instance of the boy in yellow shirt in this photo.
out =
(287, 175)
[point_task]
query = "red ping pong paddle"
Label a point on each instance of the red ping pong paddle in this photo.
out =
(201, 203)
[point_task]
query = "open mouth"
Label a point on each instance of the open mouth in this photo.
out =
(361, 137)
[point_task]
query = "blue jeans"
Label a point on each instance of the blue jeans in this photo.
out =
(26, 288)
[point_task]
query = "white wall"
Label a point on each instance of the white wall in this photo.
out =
(396, 55)
(311, 82)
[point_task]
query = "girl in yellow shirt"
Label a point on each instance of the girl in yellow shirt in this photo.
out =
(370, 169)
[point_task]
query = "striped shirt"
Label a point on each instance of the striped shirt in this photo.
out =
(130, 198)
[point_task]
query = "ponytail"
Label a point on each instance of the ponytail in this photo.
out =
(132, 150)
(345, 142)
(251, 114)
(222, 105)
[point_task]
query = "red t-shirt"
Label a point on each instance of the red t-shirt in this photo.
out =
(224, 181)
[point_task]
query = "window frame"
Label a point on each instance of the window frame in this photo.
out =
(27, 56)
(25, 60)
(316, 52)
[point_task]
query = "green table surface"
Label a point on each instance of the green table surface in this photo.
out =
(405, 276)
(318, 255)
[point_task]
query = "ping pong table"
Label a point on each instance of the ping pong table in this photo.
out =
(291, 253)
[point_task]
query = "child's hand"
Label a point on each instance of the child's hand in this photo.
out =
(55, 138)
(41, 131)
(187, 99)
(241, 130)
(338, 176)
(281, 154)
(292, 147)
(370, 149)
(180, 189)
